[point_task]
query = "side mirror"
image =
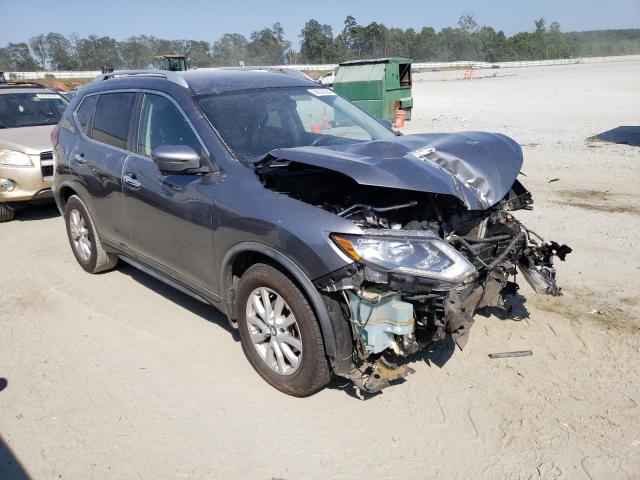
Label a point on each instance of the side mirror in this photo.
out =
(175, 158)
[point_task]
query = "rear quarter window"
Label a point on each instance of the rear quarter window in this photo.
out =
(112, 118)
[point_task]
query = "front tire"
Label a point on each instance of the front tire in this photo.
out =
(6, 214)
(84, 240)
(279, 332)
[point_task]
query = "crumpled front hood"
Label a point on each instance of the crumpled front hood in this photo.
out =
(477, 167)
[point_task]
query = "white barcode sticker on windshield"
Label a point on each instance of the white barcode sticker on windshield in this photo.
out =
(47, 95)
(321, 92)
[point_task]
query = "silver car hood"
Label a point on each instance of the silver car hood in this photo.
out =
(477, 167)
(29, 140)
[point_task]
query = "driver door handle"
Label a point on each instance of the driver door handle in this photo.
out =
(79, 157)
(132, 180)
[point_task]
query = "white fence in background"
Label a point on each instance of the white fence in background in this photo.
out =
(46, 74)
(470, 63)
(330, 66)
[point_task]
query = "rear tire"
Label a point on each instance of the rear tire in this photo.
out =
(84, 240)
(287, 350)
(6, 214)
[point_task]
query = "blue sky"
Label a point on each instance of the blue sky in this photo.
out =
(207, 20)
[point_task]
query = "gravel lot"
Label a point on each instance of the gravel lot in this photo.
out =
(117, 376)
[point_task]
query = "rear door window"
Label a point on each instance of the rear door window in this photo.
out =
(112, 118)
(85, 111)
(161, 123)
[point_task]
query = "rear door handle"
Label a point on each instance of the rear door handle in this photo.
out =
(131, 180)
(79, 157)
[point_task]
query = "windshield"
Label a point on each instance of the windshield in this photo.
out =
(254, 122)
(30, 109)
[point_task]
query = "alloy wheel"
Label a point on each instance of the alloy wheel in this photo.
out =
(274, 331)
(80, 234)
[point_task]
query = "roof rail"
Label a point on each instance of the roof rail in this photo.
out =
(171, 76)
(280, 69)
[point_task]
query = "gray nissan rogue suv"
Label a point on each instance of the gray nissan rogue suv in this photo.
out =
(334, 244)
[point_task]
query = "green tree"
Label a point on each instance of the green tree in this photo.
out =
(468, 24)
(397, 43)
(467, 41)
(316, 41)
(453, 45)
(539, 46)
(93, 52)
(169, 47)
(19, 57)
(137, 51)
(338, 49)
(60, 52)
(427, 45)
(493, 46)
(520, 46)
(5, 60)
(197, 53)
(374, 40)
(353, 37)
(268, 46)
(38, 45)
(230, 50)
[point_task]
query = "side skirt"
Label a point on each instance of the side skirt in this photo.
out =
(163, 274)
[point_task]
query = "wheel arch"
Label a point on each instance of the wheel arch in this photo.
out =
(242, 255)
(63, 193)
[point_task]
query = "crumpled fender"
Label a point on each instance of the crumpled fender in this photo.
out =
(477, 167)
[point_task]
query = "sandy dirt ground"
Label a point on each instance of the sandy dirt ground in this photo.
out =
(116, 376)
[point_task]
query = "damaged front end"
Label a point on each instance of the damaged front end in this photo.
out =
(438, 238)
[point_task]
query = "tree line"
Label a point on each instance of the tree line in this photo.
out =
(318, 44)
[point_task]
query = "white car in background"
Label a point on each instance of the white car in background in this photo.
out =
(328, 78)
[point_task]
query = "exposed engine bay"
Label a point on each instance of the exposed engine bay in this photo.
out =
(425, 263)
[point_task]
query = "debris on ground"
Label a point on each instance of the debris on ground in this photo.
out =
(519, 353)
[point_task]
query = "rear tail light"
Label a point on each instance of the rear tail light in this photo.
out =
(55, 135)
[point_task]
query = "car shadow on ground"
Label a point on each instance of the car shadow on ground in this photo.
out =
(514, 309)
(628, 135)
(10, 466)
(203, 310)
(36, 212)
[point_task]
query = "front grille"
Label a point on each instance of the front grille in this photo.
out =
(46, 163)
(47, 171)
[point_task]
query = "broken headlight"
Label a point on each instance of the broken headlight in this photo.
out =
(422, 255)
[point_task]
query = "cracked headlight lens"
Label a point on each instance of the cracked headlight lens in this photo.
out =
(424, 255)
(15, 159)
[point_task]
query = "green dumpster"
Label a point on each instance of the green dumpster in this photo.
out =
(379, 86)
